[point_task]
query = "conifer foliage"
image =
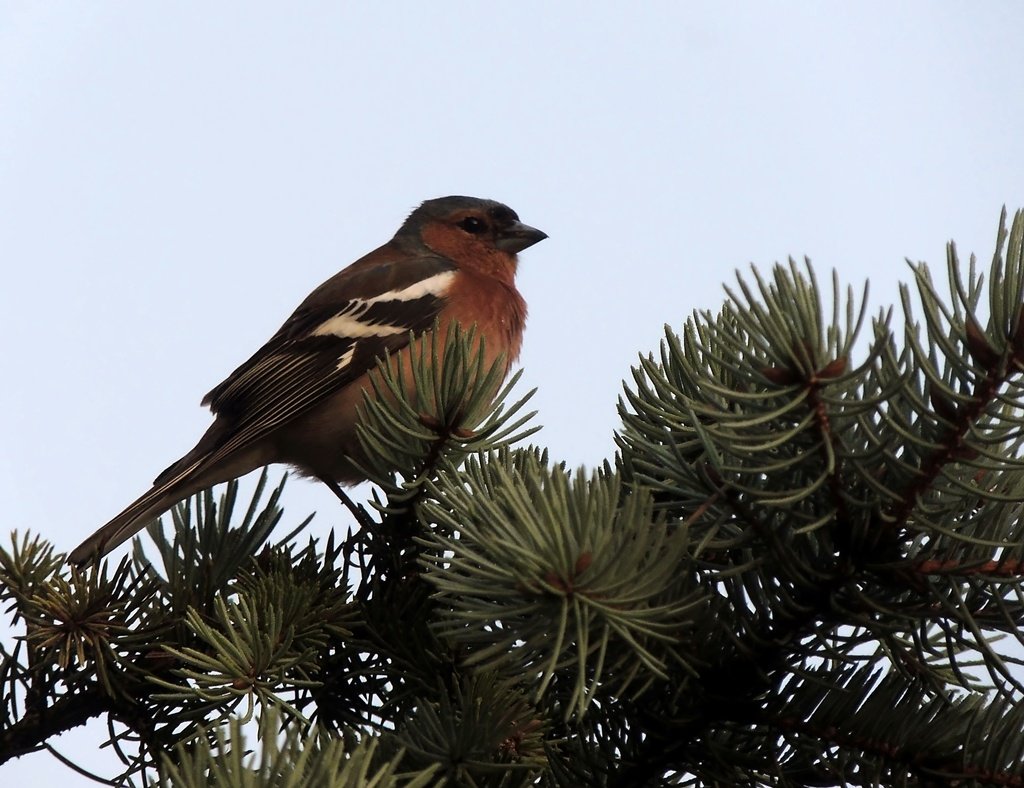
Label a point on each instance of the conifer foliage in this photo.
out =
(803, 567)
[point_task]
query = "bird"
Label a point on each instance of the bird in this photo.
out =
(294, 401)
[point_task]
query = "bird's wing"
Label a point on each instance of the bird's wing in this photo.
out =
(337, 335)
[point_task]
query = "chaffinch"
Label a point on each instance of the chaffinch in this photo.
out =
(294, 401)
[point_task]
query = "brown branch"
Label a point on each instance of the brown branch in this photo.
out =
(30, 732)
(1001, 568)
(925, 767)
(953, 446)
(818, 407)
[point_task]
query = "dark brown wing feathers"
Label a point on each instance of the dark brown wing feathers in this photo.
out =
(295, 370)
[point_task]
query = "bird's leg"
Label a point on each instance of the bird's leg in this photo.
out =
(357, 511)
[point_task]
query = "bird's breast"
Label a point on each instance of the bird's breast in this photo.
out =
(496, 309)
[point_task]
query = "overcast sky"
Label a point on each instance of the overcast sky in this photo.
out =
(175, 177)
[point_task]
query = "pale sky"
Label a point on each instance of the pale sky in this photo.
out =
(175, 177)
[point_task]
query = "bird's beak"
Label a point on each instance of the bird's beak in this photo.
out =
(518, 236)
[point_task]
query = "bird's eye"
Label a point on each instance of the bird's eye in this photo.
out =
(472, 224)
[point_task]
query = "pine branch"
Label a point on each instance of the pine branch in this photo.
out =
(739, 424)
(797, 572)
(36, 727)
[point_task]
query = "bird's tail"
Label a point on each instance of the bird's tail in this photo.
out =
(162, 496)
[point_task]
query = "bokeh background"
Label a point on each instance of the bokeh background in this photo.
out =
(175, 177)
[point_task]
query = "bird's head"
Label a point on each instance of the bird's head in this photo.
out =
(469, 230)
